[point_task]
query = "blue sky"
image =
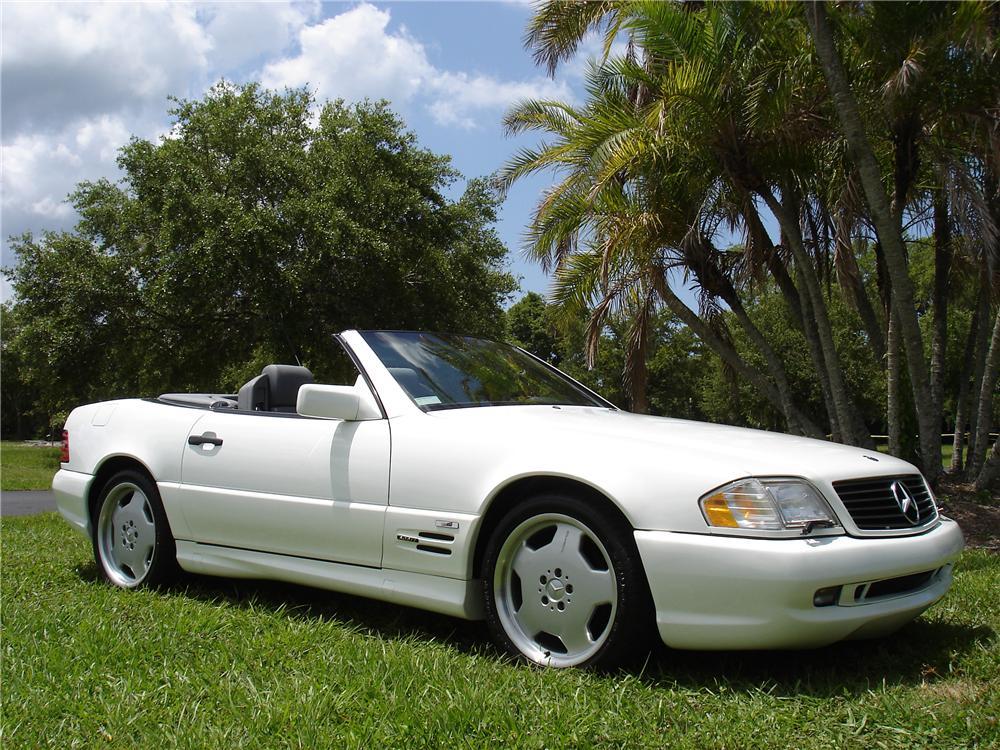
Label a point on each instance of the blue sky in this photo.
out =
(80, 79)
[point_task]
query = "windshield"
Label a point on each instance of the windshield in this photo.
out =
(445, 371)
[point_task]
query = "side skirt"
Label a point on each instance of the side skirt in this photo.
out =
(448, 596)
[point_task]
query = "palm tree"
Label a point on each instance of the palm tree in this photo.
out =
(558, 26)
(696, 92)
(720, 111)
(610, 146)
(948, 47)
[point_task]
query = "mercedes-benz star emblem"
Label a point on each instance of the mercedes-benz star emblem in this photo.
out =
(906, 502)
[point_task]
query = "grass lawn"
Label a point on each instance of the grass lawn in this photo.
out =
(215, 663)
(27, 467)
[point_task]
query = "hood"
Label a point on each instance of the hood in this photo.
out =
(742, 451)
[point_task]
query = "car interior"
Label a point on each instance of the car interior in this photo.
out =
(276, 389)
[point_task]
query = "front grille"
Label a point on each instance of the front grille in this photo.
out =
(873, 505)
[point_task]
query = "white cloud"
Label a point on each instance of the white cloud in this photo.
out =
(36, 168)
(80, 78)
(244, 33)
(458, 95)
(63, 62)
(39, 170)
(352, 55)
(355, 56)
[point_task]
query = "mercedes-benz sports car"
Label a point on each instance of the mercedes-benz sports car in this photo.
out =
(468, 477)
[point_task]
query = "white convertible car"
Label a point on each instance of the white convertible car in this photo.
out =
(467, 477)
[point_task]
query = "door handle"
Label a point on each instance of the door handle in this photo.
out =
(201, 439)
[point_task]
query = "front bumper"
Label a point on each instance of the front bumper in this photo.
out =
(715, 592)
(71, 489)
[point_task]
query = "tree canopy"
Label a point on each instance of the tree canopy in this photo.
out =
(259, 226)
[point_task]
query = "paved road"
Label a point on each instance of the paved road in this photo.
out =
(26, 502)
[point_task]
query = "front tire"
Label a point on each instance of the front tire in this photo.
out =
(564, 586)
(132, 542)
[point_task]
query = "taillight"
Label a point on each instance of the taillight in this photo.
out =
(64, 456)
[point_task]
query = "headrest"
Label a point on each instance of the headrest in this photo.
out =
(284, 382)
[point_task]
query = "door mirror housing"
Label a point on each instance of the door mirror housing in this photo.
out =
(350, 403)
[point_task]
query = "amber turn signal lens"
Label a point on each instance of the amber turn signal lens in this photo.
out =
(718, 512)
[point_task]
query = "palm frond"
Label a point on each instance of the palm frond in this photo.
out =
(557, 28)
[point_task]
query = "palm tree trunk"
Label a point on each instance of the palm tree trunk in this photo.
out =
(962, 400)
(849, 276)
(722, 348)
(893, 409)
(807, 272)
(942, 272)
(987, 395)
(797, 422)
(700, 259)
(775, 264)
(638, 382)
(979, 366)
(636, 364)
(819, 364)
(887, 230)
(991, 469)
(797, 309)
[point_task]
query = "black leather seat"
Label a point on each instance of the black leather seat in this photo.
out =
(275, 389)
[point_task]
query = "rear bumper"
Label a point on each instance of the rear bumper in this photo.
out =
(71, 489)
(714, 592)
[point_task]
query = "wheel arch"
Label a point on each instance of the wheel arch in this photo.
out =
(107, 469)
(519, 489)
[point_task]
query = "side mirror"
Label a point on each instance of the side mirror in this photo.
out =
(346, 402)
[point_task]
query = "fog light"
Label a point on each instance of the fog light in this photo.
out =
(826, 597)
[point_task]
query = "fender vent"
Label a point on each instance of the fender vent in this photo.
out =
(434, 550)
(433, 542)
(433, 535)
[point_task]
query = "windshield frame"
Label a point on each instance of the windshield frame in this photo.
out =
(586, 393)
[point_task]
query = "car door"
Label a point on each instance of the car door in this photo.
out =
(315, 488)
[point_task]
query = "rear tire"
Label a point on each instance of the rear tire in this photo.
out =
(133, 546)
(564, 586)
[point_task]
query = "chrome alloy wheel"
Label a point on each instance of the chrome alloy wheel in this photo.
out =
(126, 535)
(555, 590)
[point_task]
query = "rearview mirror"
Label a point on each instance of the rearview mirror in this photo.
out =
(346, 402)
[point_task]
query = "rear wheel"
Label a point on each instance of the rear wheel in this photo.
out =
(564, 586)
(132, 542)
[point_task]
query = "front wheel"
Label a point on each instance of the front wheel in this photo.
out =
(132, 542)
(564, 586)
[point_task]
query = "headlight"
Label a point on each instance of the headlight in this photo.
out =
(766, 504)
